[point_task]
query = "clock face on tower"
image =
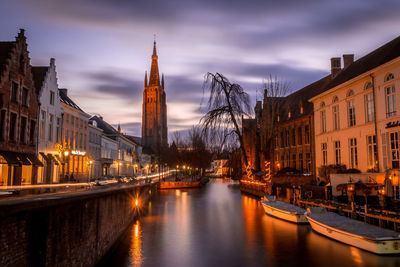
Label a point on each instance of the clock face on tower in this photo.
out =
(154, 113)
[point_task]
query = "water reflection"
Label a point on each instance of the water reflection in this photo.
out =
(218, 226)
(135, 252)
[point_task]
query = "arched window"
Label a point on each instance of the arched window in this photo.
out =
(350, 93)
(301, 108)
(389, 77)
(368, 85)
(335, 99)
(322, 104)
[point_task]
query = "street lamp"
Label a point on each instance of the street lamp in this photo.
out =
(119, 164)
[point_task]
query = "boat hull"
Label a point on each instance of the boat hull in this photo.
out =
(285, 215)
(391, 246)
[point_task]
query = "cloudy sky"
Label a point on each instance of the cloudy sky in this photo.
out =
(103, 47)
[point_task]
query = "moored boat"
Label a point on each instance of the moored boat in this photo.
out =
(283, 210)
(352, 232)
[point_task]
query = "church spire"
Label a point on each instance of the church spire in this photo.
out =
(162, 81)
(145, 79)
(154, 75)
(119, 127)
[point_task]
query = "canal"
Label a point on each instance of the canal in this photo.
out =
(219, 226)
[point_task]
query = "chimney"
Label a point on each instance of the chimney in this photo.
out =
(52, 61)
(347, 60)
(335, 66)
(64, 91)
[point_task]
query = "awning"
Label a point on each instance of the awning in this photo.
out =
(34, 159)
(11, 158)
(44, 156)
(58, 158)
(24, 159)
(50, 156)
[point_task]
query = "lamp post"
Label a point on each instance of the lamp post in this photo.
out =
(119, 164)
(90, 170)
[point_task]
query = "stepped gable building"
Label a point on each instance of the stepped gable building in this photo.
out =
(154, 114)
(18, 115)
(50, 122)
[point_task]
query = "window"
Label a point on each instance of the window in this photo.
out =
(351, 110)
(300, 135)
(51, 124)
(301, 108)
(335, 115)
(289, 114)
(43, 124)
(14, 92)
(369, 107)
(353, 152)
(307, 134)
(287, 140)
(335, 99)
(66, 140)
(390, 101)
(2, 123)
(394, 149)
(13, 126)
(25, 95)
(338, 155)
(371, 151)
(23, 130)
(293, 137)
(324, 154)
(32, 132)
(58, 130)
(52, 98)
(282, 140)
(350, 93)
(322, 104)
(301, 161)
(368, 85)
(293, 165)
(389, 77)
(323, 121)
(308, 161)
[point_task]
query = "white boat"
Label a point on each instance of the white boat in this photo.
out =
(354, 233)
(283, 210)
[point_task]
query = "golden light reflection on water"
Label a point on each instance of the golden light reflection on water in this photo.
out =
(136, 257)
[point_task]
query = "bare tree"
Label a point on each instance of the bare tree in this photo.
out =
(274, 92)
(226, 105)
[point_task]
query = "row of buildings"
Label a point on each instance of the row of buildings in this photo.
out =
(45, 137)
(350, 117)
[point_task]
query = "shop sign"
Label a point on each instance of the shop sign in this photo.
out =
(78, 152)
(392, 124)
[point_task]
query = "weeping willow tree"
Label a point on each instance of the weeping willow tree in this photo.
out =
(226, 105)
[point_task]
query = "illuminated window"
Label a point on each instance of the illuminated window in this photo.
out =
(324, 148)
(353, 152)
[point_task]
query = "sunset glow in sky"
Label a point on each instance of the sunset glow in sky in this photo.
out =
(103, 47)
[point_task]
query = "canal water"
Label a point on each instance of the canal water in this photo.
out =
(218, 226)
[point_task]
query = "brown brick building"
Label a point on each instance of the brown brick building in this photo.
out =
(18, 115)
(154, 114)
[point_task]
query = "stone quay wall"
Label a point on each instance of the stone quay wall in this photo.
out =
(75, 229)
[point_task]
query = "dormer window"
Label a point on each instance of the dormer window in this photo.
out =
(278, 118)
(301, 108)
(289, 114)
(389, 77)
(350, 93)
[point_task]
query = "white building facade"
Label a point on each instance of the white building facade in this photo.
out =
(357, 119)
(50, 123)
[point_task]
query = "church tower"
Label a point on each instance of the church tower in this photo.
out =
(154, 113)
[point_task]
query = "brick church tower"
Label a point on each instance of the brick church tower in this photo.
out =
(154, 114)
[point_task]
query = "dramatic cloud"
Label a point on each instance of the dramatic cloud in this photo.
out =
(103, 47)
